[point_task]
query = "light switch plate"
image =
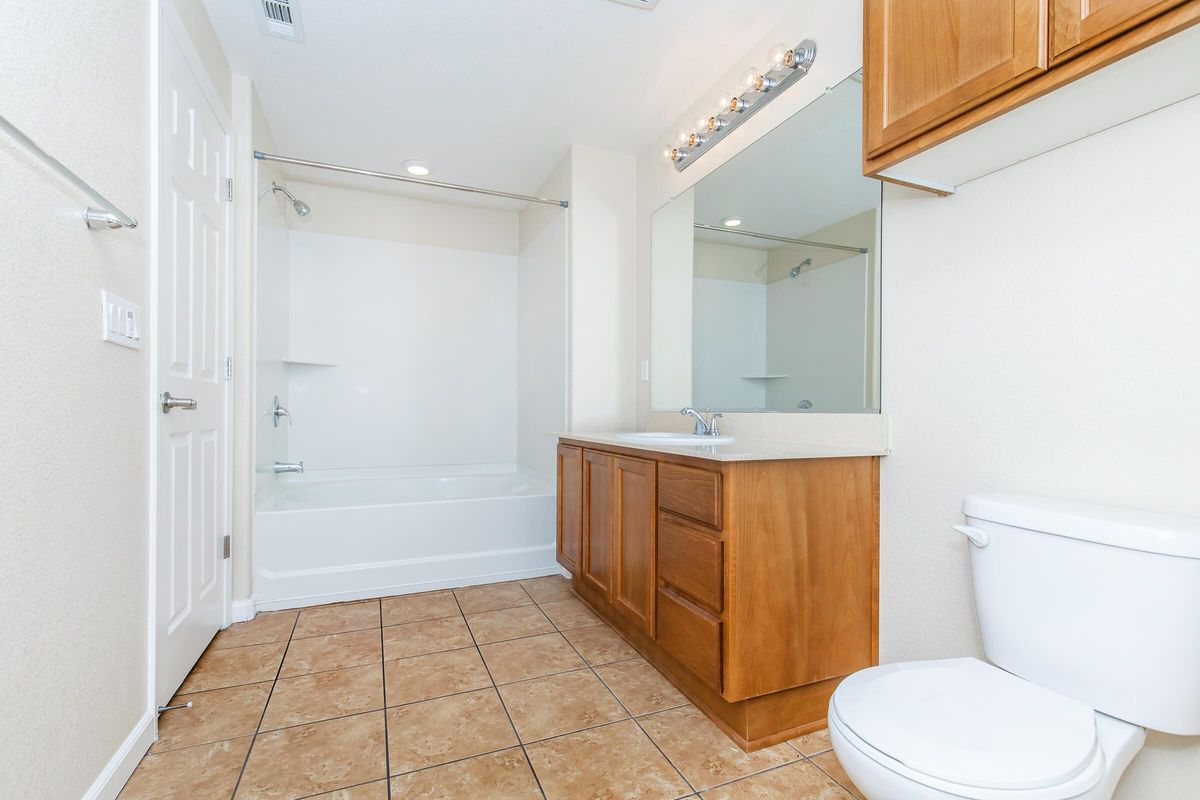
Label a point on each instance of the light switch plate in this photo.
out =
(645, 371)
(120, 321)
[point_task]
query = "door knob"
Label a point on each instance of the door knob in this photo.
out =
(169, 402)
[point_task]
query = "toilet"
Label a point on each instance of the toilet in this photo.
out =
(1090, 619)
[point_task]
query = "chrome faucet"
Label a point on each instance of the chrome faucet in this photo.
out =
(281, 467)
(704, 427)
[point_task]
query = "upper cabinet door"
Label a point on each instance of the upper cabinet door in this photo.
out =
(927, 61)
(1077, 25)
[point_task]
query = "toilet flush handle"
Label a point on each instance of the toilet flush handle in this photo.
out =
(978, 537)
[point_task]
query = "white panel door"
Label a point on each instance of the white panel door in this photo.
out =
(192, 329)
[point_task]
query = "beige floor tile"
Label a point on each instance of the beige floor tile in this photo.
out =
(812, 743)
(548, 589)
(798, 781)
(703, 753)
(558, 704)
(570, 613)
(614, 761)
(492, 597)
(434, 732)
(410, 680)
(508, 623)
(267, 627)
(599, 644)
(430, 636)
(829, 764)
(336, 651)
(236, 666)
(530, 658)
(419, 607)
(324, 695)
(310, 759)
(496, 776)
(640, 687)
(340, 618)
(206, 772)
(215, 715)
(368, 791)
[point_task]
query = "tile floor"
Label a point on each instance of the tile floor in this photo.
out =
(513, 690)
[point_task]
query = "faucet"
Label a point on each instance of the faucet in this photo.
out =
(281, 467)
(703, 427)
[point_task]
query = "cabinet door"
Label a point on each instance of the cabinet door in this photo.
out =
(570, 507)
(636, 511)
(1077, 25)
(598, 481)
(927, 61)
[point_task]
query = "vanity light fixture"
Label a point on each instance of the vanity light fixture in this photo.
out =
(417, 168)
(787, 65)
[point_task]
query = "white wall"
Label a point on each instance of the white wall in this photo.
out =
(1040, 335)
(729, 342)
(424, 339)
(673, 253)
(542, 325)
(75, 412)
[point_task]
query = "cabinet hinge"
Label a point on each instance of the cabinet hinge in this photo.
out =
(228, 368)
(226, 546)
(229, 190)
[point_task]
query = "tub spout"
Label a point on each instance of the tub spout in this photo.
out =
(281, 467)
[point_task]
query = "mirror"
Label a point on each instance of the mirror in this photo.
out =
(765, 274)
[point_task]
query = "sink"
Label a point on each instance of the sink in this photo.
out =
(674, 439)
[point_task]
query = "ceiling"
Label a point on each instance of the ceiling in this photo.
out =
(802, 176)
(491, 92)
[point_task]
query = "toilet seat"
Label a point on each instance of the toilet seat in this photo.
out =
(970, 729)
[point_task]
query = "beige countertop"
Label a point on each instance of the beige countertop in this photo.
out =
(740, 449)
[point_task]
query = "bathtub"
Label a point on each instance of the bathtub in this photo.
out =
(333, 535)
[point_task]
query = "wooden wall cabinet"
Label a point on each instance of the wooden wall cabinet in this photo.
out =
(936, 68)
(752, 585)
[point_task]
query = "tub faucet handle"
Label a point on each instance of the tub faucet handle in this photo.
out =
(279, 411)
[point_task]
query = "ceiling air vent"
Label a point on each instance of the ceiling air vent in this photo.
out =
(281, 19)
(646, 4)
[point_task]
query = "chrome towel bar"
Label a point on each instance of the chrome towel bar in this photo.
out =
(109, 216)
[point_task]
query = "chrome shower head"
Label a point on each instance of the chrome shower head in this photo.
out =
(794, 272)
(302, 208)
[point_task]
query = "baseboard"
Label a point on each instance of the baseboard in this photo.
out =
(116, 772)
(242, 610)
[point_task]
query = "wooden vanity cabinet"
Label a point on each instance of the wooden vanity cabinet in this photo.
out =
(933, 69)
(752, 585)
(570, 508)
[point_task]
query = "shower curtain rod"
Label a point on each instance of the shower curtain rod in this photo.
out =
(848, 249)
(300, 162)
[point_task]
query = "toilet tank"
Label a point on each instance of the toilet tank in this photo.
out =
(1097, 603)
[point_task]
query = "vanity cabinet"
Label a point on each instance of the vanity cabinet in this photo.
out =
(752, 585)
(570, 508)
(933, 69)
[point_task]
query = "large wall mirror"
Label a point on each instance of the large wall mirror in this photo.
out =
(765, 274)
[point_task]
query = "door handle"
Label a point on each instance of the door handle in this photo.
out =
(168, 402)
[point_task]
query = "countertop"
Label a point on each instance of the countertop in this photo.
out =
(740, 449)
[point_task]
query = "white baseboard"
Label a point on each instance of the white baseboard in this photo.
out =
(116, 772)
(243, 610)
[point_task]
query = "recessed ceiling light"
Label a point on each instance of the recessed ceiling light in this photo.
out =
(731, 222)
(417, 168)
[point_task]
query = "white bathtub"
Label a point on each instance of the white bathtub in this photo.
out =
(348, 534)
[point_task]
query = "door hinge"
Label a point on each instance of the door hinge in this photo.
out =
(226, 546)
(229, 189)
(228, 368)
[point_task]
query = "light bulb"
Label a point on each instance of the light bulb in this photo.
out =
(750, 79)
(669, 153)
(684, 137)
(735, 105)
(695, 140)
(780, 56)
(714, 123)
(702, 123)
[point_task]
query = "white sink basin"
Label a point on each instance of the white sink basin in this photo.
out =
(674, 439)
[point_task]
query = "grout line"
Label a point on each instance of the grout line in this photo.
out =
(262, 716)
(827, 775)
(387, 750)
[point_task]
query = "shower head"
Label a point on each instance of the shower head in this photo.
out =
(302, 208)
(794, 272)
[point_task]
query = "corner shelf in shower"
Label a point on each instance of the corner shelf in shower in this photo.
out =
(294, 361)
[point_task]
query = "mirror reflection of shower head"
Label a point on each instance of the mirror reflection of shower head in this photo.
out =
(794, 272)
(302, 208)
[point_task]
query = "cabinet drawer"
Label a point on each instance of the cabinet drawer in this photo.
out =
(691, 492)
(691, 636)
(690, 561)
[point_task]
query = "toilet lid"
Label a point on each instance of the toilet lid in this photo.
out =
(967, 722)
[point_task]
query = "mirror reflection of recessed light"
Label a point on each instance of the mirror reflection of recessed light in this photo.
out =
(418, 168)
(731, 222)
